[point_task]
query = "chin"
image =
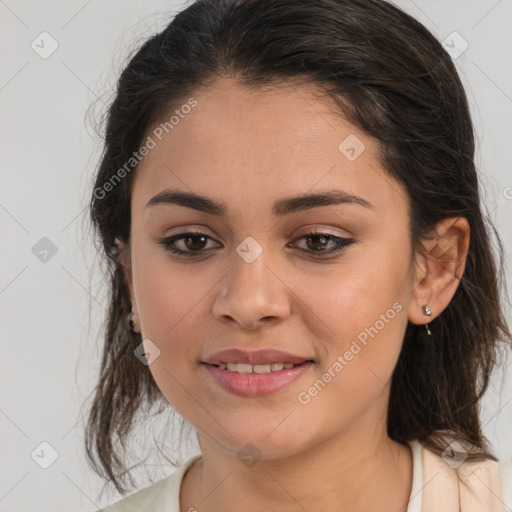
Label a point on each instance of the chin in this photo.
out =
(261, 442)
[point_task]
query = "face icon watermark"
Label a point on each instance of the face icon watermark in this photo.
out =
(455, 45)
(352, 147)
(249, 454)
(454, 454)
(44, 45)
(44, 250)
(249, 249)
(146, 352)
(44, 455)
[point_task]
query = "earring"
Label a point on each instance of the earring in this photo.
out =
(427, 312)
(134, 322)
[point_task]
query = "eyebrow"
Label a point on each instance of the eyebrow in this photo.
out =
(280, 208)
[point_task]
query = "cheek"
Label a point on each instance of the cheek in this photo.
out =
(172, 299)
(356, 295)
(359, 354)
(362, 310)
(173, 305)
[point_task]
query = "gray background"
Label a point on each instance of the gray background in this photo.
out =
(50, 352)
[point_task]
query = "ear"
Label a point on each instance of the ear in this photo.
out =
(123, 258)
(439, 270)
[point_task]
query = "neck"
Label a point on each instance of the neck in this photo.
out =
(349, 472)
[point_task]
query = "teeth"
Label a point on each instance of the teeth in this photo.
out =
(256, 368)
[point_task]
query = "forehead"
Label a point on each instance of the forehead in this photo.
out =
(240, 142)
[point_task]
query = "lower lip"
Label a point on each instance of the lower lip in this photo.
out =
(255, 384)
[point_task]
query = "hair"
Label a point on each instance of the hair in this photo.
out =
(393, 79)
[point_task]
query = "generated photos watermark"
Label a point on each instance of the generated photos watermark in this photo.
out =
(150, 143)
(304, 397)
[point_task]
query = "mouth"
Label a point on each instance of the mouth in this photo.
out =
(249, 380)
(259, 369)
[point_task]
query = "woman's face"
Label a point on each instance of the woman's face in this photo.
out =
(258, 281)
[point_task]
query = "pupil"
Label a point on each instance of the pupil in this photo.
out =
(318, 237)
(195, 237)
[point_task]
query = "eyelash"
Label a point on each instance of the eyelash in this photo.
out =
(341, 243)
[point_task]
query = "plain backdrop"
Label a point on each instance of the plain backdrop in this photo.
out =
(59, 64)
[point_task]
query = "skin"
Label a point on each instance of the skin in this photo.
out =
(332, 453)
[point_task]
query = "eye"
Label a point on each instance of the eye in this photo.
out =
(316, 241)
(194, 243)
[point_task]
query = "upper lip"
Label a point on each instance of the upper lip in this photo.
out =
(264, 356)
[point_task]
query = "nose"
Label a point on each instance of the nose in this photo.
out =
(252, 294)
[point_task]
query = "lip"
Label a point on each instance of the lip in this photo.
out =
(254, 384)
(262, 356)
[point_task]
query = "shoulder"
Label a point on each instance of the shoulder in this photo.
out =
(160, 496)
(481, 484)
(144, 499)
(505, 469)
(488, 482)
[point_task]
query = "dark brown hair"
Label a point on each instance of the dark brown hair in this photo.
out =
(390, 77)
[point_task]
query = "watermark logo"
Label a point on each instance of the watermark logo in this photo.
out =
(249, 454)
(304, 397)
(44, 250)
(44, 45)
(146, 352)
(454, 454)
(352, 147)
(44, 455)
(149, 144)
(249, 249)
(455, 45)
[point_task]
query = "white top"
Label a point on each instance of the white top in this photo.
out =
(163, 496)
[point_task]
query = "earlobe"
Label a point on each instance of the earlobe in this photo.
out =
(440, 269)
(134, 320)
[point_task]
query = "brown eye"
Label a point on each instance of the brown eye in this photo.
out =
(191, 243)
(318, 242)
(195, 242)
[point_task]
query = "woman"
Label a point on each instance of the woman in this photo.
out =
(299, 264)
